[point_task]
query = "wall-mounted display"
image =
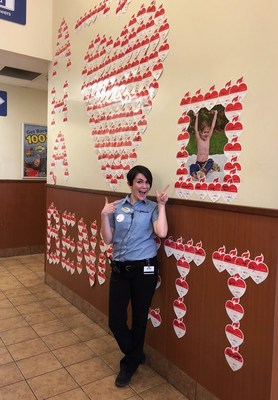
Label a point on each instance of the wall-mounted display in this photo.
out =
(34, 151)
(208, 138)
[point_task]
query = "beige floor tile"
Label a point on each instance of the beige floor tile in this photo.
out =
(89, 371)
(19, 292)
(23, 299)
(12, 323)
(5, 303)
(76, 321)
(74, 354)
(26, 259)
(113, 359)
(47, 328)
(5, 356)
(9, 373)
(38, 318)
(102, 345)
(52, 383)
(55, 302)
(23, 273)
(2, 295)
(8, 313)
(27, 349)
(11, 285)
(18, 335)
(145, 378)
(46, 294)
(60, 339)
(9, 261)
(163, 391)
(31, 281)
(31, 308)
(75, 394)
(42, 288)
(89, 332)
(38, 365)
(65, 311)
(17, 391)
(105, 389)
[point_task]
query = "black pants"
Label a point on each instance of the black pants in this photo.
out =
(137, 288)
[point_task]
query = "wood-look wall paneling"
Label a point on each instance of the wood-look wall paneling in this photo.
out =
(22, 213)
(200, 352)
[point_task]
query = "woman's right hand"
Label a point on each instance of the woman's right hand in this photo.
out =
(109, 208)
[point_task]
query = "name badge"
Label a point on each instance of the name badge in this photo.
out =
(148, 269)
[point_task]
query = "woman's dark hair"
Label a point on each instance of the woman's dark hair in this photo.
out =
(139, 169)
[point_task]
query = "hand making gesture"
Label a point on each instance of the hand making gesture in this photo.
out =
(162, 197)
(109, 208)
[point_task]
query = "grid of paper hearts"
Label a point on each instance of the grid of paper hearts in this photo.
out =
(230, 97)
(59, 156)
(74, 245)
(63, 51)
(239, 268)
(120, 81)
(100, 10)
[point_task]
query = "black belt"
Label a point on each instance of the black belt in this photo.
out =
(131, 265)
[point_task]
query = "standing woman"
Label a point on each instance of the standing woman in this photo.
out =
(130, 225)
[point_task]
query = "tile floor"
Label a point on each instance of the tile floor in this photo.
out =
(51, 350)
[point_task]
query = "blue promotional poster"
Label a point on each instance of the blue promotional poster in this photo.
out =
(35, 151)
(13, 11)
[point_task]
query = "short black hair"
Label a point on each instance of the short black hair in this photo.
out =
(139, 169)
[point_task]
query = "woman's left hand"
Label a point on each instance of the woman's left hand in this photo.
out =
(162, 197)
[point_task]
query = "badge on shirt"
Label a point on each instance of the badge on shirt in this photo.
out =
(126, 210)
(120, 217)
(148, 270)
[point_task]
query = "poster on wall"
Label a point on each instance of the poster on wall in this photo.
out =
(34, 151)
(13, 11)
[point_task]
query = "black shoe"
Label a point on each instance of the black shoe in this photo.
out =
(123, 378)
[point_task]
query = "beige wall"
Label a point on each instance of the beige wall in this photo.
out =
(34, 38)
(24, 106)
(211, 43)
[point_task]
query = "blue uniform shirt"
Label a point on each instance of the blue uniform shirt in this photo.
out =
(134, 237)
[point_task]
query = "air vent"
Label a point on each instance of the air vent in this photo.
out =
(19, 73)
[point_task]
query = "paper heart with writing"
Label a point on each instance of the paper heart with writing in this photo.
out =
(234, 310)
(233, 358)
(182, 286)
(179, 327)
(179, 308)
(155, 317)
(234, 335)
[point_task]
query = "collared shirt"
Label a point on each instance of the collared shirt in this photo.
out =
(134, 237)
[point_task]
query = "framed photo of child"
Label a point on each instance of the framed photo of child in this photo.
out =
(209, 131)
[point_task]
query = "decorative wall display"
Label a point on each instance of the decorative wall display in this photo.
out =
(59, 106)
(184, 254)
(92, 15)
(208, 138)
(34, 151)
(239, 268)
(63, 50)
(59, 156)
(120, 82)
(122, 6)
(73, 248)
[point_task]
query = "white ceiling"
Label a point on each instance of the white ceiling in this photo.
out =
(19, 61)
